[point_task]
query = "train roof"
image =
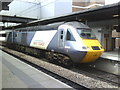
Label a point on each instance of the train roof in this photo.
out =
(53, 26)
(76, 24)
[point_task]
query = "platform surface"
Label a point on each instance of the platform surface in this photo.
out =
(17, 74)
(112, 55)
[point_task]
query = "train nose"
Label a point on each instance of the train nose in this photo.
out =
(94, 52)
(91, 56)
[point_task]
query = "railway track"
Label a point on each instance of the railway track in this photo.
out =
(95, 76)
(93, 72)
(86, 69)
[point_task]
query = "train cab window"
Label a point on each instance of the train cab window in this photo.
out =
(86, 33)
(69, 36)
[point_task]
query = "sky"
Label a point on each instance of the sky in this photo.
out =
(111, 1)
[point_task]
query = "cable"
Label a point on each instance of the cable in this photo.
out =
(26, 10)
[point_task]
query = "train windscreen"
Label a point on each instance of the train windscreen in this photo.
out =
(86, 33)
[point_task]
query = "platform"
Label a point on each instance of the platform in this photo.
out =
(17, 74)
(112, 55)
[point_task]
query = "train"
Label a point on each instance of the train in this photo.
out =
(66, 42)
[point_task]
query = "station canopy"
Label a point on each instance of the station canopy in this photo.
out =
(16, 19)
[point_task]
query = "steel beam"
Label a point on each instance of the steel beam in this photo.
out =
(15, 19)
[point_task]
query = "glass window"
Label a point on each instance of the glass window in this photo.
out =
(16, 34)
(2, 35)
(70, 36)
(61, 37)
(61, 32)
(86, 33)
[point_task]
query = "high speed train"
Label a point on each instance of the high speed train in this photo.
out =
(66, 42)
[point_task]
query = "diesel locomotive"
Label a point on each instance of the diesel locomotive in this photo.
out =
(67, 42)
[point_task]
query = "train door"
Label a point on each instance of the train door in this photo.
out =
(24, 38)
(61, 37)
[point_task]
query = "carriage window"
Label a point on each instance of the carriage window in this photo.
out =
(2, 35)
(16, 35)
(70, 36)
(61, 36)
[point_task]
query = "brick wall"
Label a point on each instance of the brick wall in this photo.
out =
(115, 34)
(117, 40)
(84, 3)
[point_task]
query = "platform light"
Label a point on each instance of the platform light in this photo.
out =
(115, 25)
(116, 15)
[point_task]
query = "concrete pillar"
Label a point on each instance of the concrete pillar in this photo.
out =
(106, 37)
(110, 37)
(102, 37)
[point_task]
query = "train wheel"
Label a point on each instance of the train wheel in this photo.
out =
(67, 63)
(49, 56)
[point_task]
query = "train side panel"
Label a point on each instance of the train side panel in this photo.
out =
(17, 37)
(29, 38)
(9, 37)
(54, 44)
(22, 38)
(42, 39)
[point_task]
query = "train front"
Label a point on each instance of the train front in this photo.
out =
(91, 45)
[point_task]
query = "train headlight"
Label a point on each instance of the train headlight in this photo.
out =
(101, 47)
(84, 47)
(88, 48)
